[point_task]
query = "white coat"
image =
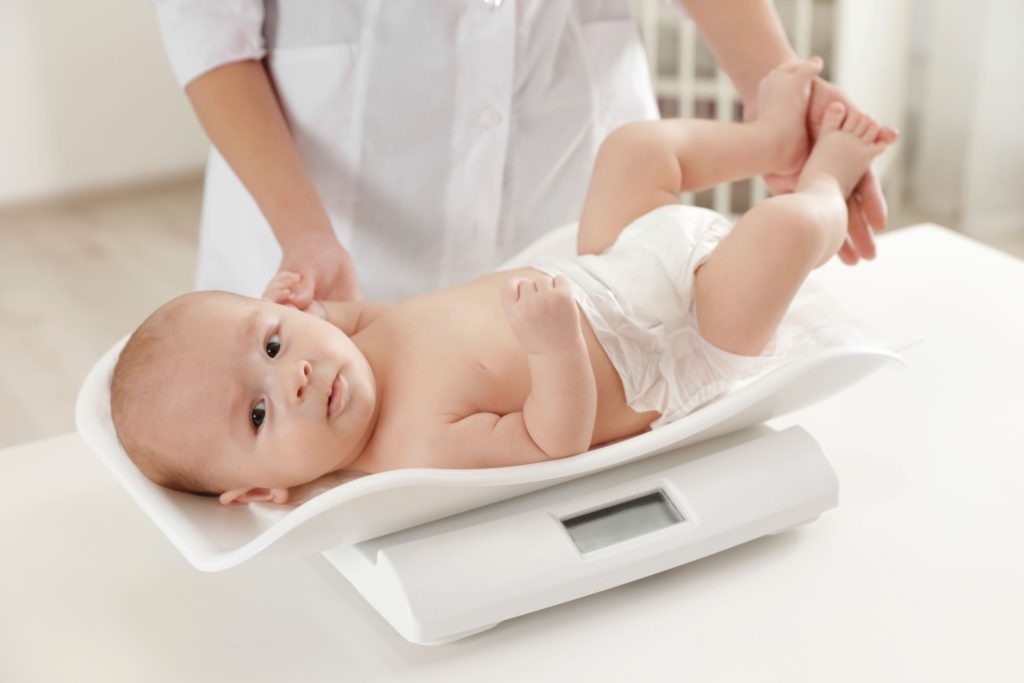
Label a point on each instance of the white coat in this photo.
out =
(442, 137)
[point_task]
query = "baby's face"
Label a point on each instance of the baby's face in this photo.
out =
(276, 396)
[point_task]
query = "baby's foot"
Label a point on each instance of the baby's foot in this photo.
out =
(847, 143)
(782, 98)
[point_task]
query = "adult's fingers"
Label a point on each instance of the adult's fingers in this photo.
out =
(847, 254)
(872, 201)
(280, 288)
(859, 232)
(303, 290)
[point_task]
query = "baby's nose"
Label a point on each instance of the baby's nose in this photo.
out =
(305, 372)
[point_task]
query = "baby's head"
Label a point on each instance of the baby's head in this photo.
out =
(221, 394)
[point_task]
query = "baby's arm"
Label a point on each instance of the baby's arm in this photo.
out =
(558, 415)
(561, 407)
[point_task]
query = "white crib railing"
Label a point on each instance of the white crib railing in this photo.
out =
(684, 88)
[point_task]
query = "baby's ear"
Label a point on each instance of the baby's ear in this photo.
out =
(254, 495)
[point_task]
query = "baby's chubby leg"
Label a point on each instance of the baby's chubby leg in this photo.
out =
(644, 165)
(746, 285)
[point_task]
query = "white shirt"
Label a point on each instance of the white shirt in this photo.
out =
(442, 136)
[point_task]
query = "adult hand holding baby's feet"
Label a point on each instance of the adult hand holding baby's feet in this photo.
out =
(542, 313)
(866, 206)
(281, 290)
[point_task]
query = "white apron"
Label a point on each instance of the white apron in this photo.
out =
(442, 136)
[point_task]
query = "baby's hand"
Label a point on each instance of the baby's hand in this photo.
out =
(542, 313)
(281, 289)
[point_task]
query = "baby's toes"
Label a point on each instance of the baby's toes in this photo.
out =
(889, 135)
(853, 119)
(878, 147)
(870, 134)
(833, 117)
(863, 125)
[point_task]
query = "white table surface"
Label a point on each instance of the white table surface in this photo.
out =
(917, 575)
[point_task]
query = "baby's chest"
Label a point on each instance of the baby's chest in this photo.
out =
(456, 377)
(423, 399)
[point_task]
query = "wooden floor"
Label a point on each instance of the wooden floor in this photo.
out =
(77, 276)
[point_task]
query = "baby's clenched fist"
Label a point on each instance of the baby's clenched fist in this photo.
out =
(542, 313)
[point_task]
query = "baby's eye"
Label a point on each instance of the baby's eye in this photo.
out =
(258, 414)
(273, 345)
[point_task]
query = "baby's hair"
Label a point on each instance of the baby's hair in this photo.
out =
(136, 386)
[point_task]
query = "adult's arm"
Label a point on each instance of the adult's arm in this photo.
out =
(239, 110)
(216, 49)
(745, 36)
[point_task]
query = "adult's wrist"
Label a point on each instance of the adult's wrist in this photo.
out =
(304, 232)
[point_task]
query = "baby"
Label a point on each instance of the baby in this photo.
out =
(251, 399)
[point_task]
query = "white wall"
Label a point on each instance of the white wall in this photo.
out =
(970, 166)
(949, 70)
(87, 100)
(871, 58)
(994, 163)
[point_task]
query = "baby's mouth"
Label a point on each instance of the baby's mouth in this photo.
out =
(337, 396)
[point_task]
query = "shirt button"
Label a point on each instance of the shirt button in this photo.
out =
(490, 117)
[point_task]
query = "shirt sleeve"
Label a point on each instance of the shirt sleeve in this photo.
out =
(200, 35)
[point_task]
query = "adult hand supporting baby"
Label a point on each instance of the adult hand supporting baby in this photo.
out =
(236, 104)
(866, 207)
(326, 268)
(282, 288)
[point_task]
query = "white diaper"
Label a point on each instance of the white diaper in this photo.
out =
(638, 297)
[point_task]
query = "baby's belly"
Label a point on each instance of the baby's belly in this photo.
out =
(502, 372)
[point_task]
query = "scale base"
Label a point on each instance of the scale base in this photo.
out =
(455, 577)
(790, 528)
(457, 636)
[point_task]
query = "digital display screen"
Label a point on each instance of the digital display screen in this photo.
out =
(620, 522)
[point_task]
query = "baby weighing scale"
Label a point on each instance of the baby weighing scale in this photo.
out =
(460, 575)
(442, 554)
